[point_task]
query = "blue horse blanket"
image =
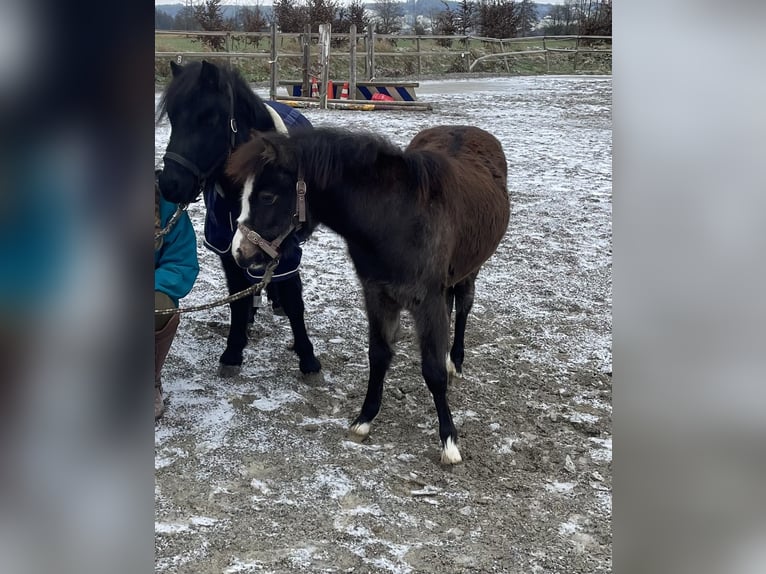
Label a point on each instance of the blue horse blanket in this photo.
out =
(222, 213)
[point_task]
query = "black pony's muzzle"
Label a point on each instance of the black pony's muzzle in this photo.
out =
(184, 180)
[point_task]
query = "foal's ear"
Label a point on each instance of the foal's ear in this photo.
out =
(269, 151)
(247, 159)
(175, 68)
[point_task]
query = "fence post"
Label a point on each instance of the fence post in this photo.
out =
(274, 67)
(505, 58)
(547, 62)
(325, 30)
(577, 47)
(352, 63)
(229, 47)
(417, 46)
(370, 67)
(467, 52)
(306, 60)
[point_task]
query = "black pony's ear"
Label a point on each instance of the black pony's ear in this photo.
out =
(209, 74)
(175, 68)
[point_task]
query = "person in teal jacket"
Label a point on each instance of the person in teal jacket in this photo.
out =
(175, 270)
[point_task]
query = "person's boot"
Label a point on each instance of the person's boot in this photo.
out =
(162, 341)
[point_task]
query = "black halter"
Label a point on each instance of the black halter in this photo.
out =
(199, 175)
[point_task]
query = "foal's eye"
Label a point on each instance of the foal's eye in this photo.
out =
(267, 198)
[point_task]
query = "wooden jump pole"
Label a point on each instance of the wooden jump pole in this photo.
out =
(306, 60)
(369, 68)
(352, 62)
(324, 62)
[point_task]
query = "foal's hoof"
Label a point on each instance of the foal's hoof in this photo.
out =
(358, 432)
(454, 370)
(309, 365)
(228, 371)
(450, 453)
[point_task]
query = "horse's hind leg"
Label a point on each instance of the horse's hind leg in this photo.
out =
(432, 322)
(383, 318)
(463, 293)
(290, 294)
(231, 360)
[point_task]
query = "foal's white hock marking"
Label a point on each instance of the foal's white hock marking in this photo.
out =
(359, 431)
(450, 453)
(451, 369)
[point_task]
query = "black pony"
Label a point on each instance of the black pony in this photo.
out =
(418, 223)
(212, 111)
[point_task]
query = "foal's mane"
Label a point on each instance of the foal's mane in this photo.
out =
(326, 153)
(248, 105)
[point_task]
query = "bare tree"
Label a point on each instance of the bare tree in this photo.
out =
(446, 23)
(528, 18)
(252, 19)
(595, 17)
(562, 19)
(390, 15)
(465, 15)
(185, 20)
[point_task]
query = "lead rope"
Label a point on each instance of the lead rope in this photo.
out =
(172, 221)
(244, 293)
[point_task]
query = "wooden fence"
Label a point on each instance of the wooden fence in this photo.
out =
(272, 55)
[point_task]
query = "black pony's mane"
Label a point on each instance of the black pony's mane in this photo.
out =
(248, 105)
(325, 153)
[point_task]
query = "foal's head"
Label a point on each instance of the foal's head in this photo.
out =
(266, 167)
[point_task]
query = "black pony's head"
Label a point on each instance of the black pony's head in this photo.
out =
(210, 109)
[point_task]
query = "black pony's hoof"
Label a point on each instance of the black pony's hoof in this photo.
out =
(310, 365)
(278, 311)
(228, 371)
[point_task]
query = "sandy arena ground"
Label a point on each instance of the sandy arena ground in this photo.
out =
(255, 474)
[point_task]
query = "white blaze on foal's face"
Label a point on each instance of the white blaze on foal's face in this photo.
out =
(242, 249)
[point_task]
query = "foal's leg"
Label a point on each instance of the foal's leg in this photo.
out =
(464, 292)
(231, 359)
(289, 293)
(432, 323)
(383, 318)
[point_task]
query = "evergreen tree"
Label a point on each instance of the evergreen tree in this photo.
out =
(209, 14)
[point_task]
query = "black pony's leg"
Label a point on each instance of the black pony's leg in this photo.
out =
(432, 323)
(273, 296)
(231, 359)
(290, 294)
(464, 293)
(383, 318)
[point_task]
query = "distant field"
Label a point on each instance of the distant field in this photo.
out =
(396, 57)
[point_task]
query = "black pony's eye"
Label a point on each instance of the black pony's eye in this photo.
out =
(267, 198)
(209, 118)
